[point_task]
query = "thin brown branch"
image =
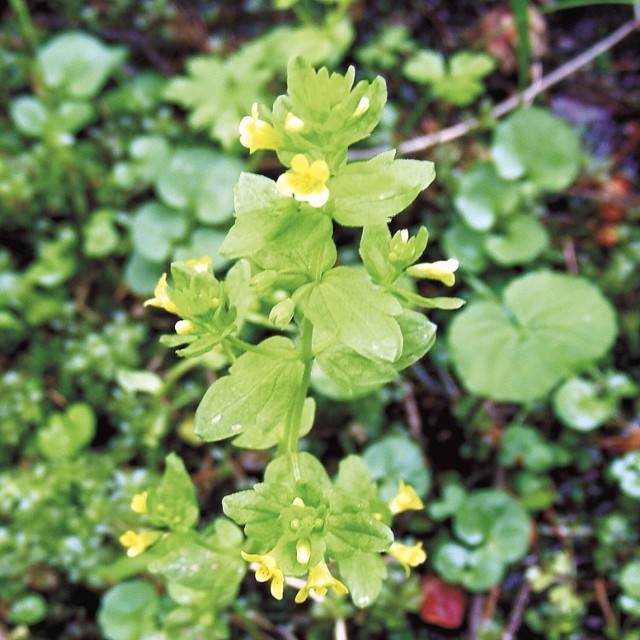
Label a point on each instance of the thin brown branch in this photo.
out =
(526, 97)
(519, 606)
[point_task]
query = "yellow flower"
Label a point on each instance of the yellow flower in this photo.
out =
(201, 265)
(320, 581)
(257, 134)
(184, 327)
(442, 270)
(268, 570)
(293, 123)
(408, 555)
(306, 182)
(136, 543)
(406, 499)
(160, 298)
(139, 502)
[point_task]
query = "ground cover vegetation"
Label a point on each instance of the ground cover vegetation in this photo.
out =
(319, 318)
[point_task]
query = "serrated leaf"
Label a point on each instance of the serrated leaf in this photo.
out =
(363, 573)
(549, 325)
(345, 305)
(173, 502)
(78, 63)
(375, 190)
(255, 399)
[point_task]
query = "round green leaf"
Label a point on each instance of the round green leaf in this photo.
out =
(548, 325)
(67, 434)
(523, 240)
(397, 458)
(200, 180)
(493, 519)
(626, 470)
(579, 405)
(141, 274)
(630, 579)
(72, 115)
(101, 237)
(127, 611)
(154, 229)
(466, 246)
(538, 146)
(28, 609)
(482, 195)
(28, 115)
(78, 63)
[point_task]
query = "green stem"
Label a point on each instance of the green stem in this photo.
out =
(175, 373)
(289, 442)
(26, 25)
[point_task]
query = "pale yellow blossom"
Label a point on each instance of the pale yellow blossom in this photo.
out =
(257, 134)
(405, 500)
(139, 502)
(201, 265)
(408, 555)
(320, 581)
(160, 298)
(136, 543)
(184, 327)
(363, 107)
(293, 123)
(268, 570)
(306, 182)
(442, 270)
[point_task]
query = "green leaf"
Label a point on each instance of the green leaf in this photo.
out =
(78, 63)
(350, 532)
(280, 471)
(327, 104)
(73, 115)
(363, 573)
(482, 196)
(128, 611)
(354, 477)
(418, 336)
(28, 115)
(549, 325)
(425, 67)
(349, 374)
(522, 445)
(141, 274)
(521, 149)
(375, 190)
(143, 381)
(150, 155)
(196, 567)
(154, 230)
(202, 181)
(495, 520)
(68, 433)
(277, 232)
(581, 406)
(254, 402)
(173, 502)
(101, 237)
(345, 306)
(466, 246)
(396, 458)
(524, 239)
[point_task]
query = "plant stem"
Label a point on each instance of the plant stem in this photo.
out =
(289, 442)
(175, 373)
(27, 29)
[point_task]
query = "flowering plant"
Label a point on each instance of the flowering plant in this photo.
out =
(344, 329)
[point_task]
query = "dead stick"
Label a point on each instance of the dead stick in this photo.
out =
(463, 128)
(515, 619)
